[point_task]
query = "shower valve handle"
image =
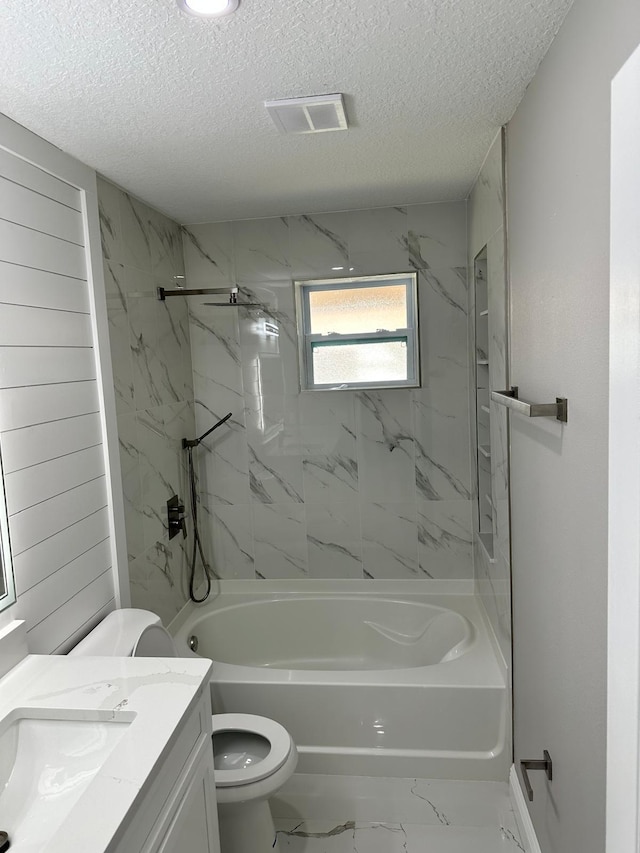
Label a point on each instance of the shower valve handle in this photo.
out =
(176, 518)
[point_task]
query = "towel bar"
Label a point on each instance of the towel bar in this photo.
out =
(510, 399)
(536, 764)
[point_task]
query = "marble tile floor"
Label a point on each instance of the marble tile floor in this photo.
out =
(343, 814)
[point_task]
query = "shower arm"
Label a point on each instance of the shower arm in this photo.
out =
(231, 292)
(194, 442)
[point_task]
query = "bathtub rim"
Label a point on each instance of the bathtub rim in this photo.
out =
(338, 586)
(366, 586)
(479, 666)
(464, 644)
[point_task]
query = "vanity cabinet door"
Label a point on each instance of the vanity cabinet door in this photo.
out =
(194, 826)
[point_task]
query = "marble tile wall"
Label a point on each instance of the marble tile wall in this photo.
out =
(151, 355)
(486, 228)
(337, 484)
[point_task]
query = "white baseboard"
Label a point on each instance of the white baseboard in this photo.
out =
(523, 819)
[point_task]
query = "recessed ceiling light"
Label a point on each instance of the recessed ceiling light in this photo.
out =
(208, 8)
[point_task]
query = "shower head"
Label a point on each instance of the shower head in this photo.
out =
(231, 292)
(194, 442)
(234, 305)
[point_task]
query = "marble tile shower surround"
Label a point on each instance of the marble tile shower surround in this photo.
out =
(151, 356)
(345, 484)
(486, 228)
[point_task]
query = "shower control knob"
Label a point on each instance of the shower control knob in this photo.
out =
(176, 517)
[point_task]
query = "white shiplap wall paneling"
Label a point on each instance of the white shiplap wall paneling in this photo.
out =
(28, 175)
(39, 443)
(54, 631)
(29, 248)
(28, 286)
(38, 483)
(53, 592)
(27, 326)
(43, 520)
(70, 641)
(52, 421)
(21, 366)
(25, 207)
(22, 407)
(38, 562)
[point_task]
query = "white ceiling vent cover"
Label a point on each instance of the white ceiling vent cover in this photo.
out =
(316, 114)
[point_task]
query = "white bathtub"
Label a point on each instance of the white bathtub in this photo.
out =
(367, 683)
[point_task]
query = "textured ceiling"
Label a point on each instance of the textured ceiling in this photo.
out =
(170, 106)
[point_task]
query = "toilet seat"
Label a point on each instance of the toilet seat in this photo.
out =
(279, 741)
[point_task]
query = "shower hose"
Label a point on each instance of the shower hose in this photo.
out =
(197, 544)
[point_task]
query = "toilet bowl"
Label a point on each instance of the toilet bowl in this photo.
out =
(253, 756)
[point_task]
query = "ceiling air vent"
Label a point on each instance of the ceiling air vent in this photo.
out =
(316, 114)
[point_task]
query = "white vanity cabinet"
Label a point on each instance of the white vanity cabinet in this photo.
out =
(137, 746)
(193, 827)
(178, 814)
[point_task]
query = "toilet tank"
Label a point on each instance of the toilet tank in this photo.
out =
(118, 633)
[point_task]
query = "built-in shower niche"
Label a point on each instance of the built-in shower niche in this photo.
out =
(485, 503)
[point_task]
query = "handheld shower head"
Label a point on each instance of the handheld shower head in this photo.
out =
(194, 442)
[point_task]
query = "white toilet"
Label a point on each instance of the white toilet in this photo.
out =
(253, 756)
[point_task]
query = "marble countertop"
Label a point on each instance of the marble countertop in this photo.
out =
(153, 695)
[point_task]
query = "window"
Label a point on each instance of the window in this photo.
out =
(358, 332)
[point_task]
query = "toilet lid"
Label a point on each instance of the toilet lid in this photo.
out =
(155, 642)
(278, 737)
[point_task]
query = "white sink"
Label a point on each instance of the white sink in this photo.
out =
(47, 761)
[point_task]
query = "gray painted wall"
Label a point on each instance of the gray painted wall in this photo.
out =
(558, 232)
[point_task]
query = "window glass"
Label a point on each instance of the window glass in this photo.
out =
(353, 362)
(358, 309)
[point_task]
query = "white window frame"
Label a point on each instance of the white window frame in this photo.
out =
(306, 340)
(8, 586)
